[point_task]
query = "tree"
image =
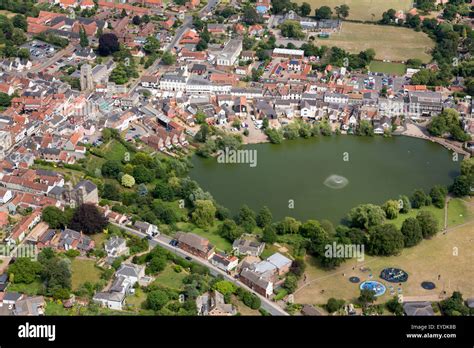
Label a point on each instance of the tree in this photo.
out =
(405, 204)
(318, 237)
(156, 265)
(385, 240)
(136, 20)
(412, 233)
(428, 223)
(288, 225)
(292, 29)
(291, 283)
(461, 186)
(420, 199)
(111, 169)
(204, 213)
(142, 174)
(366, 216)
(229, 230)
(324, 12)
(454, 305)
(246, 219)
(168, 58)
(250, 16)
(365, 128)
(57, 276)
(88, 219)
(334, 305)
(110, 191)
(342, 11)
(84, 40)
(394, 306)
(5, 100)
(438, 196)
(305, 9)
(24, 270)
(225, 287)
(54, 217)
(157, 299)
(127, 180)
(19, 21)
(108, 44)
(269, 235)
(366, 297)
(391, 209)
(152, 45)
(264, 217)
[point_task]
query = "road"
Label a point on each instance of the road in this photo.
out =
(164, 241)
(187, 24)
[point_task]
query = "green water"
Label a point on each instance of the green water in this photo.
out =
(376, 169)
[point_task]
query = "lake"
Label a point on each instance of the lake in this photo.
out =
(324, 177)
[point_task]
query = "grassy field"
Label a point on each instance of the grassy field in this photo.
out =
(7, 13)
(136, 300)
(210, 233)
(447, 254)
(32, 289)
(389, 43)
(171, 279)
(366, 10)
(84, 271)
(388, 68)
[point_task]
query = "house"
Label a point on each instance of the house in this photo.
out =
(30, 306)
(70, 239)
(5, 196)
(194, 244)
(3, 281)
(146, 228)
(257, 282)
(11, 298)
(224, 262)
(281, 263)
(24, 227)
(112, 300)
(424, 103)
(212, 303)
(288, 53)
(131, 272)
(116, 246)
(246, 246)
(418, 308)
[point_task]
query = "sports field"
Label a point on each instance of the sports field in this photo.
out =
(390, 43)
(365, 10)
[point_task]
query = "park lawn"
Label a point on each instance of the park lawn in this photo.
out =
(114, 150)
(457, 212)
(32, 289)
(171, 279)
(446, 254)
(93, 163)
(366, 10)
(387, 68)
(404, 43)
(209, 233)
(84, 271)
(438, 213)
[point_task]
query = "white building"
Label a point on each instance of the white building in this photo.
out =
(230, 53)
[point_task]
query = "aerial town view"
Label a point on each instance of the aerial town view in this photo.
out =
(236, 158)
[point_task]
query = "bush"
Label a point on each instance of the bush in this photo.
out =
(333, 305)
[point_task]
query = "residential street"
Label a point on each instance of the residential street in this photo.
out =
(164, 241)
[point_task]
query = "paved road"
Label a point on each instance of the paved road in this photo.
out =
(164, 241)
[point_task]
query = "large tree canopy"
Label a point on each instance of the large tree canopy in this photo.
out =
(88, 219)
